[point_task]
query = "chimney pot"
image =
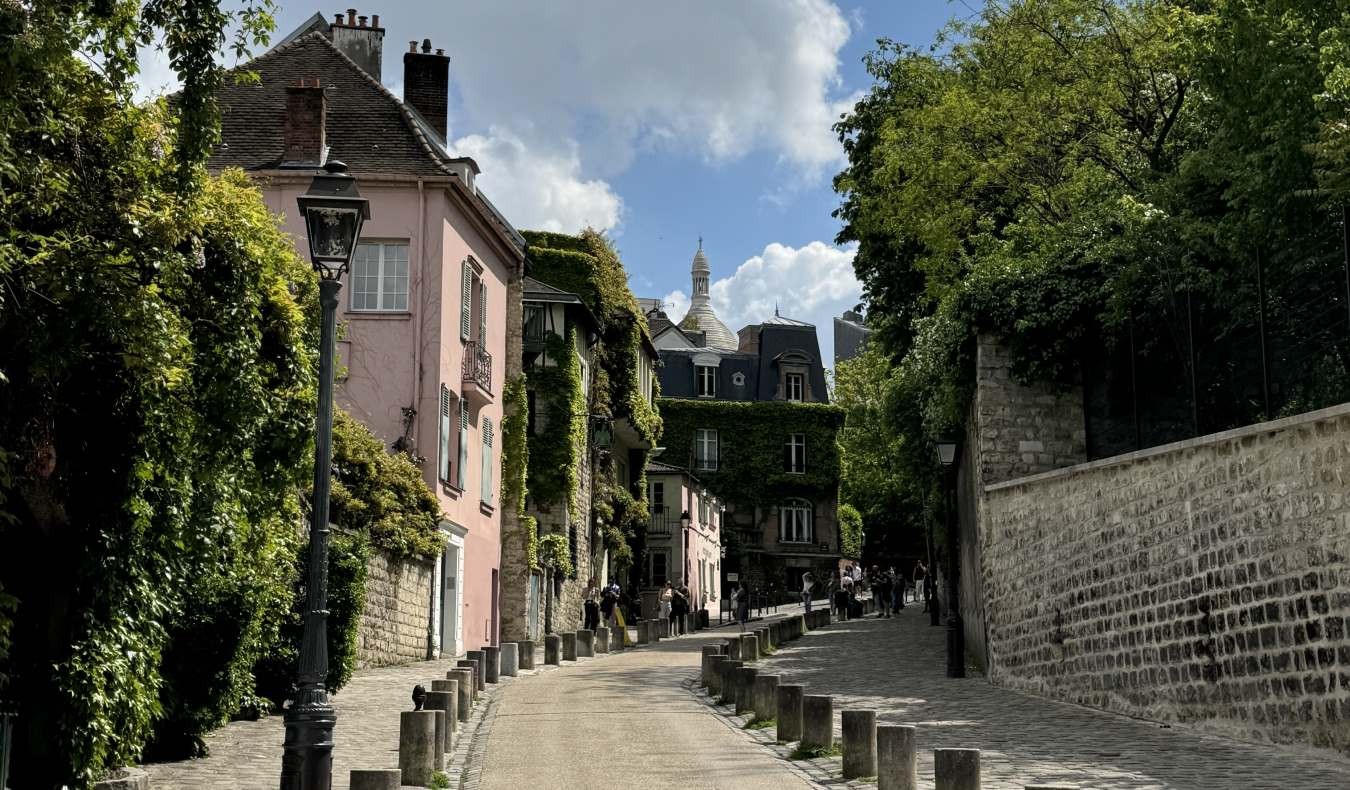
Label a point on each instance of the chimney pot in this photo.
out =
(440, 52)
(375, 20)
(361, 21)
(426, 45)
(337, 18)
(412, 46)
(351, 17)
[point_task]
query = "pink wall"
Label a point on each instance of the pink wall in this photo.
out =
(401, 359)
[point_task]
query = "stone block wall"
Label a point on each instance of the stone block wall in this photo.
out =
(393, 627)
(1205, 582)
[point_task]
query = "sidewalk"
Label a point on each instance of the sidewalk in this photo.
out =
(897, 666)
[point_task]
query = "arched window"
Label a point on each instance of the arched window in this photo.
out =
(794, 522)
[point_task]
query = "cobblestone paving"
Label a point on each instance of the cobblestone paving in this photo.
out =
(897, 667)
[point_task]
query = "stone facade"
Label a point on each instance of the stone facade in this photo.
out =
(393, 627)
(1204, 582)
(514, 602)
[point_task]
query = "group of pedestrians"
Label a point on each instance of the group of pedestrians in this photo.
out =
(888, 587)
(674, 606)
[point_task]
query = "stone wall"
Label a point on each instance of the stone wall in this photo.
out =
(1204, 582)
(393, 627)
(514, 601)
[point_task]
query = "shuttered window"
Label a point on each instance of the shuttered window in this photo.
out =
(482, 314)
(466, 301)
(460, 481)
(443, 445)
(486, 494)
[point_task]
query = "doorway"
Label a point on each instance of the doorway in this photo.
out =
(452, 600)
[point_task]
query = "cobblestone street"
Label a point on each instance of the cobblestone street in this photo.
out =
(897, 666)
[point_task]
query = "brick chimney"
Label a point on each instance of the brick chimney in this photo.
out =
(303, 131)
(363, 43)
(426, 84)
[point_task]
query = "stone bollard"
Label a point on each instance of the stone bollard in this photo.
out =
(464, 686)
(569, 646)
(789, 712)
(602, 640)
(442, 733)
(732, 647)
(765, 697)
(765, 640)
(715, 674)
(493, 656)
(730, 677)
(585, 643)
(798, 626)
(446, 702)
(644, 632)
(860, 743)
(745, 690)
(417, 746)
(616, 638)
(706, 667)
(956, 769)
(376, 779)
(526, 649)
(510, 659)
(552, 649)
(471, 665)
(817, 722)
(481, 657)
(897, 763)
(749, 647)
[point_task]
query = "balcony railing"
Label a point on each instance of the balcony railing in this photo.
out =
(477, 367)
(661, 522)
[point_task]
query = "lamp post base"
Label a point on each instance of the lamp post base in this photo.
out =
(956, 647)
(308, 760)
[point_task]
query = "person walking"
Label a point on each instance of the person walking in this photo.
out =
(667, 599)
(881, 591)
(679, 607)
(808, 584)
(607, 601)
(897, 590)
(592, 605)
(920, 572)
(843, 594)
(741, 599)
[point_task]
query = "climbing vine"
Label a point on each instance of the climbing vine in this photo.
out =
(553, 460)
(555, 553)
(515, 445)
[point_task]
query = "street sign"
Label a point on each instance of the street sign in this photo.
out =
(733, 577)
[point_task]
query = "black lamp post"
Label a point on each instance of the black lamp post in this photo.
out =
(956, 639)
(334, 212)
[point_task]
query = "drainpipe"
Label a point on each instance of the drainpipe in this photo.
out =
(420, 316)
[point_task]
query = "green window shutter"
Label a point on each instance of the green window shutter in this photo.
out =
(482, 314)
(466, 301)
(443, 445)
(486, 493)
(460, 478)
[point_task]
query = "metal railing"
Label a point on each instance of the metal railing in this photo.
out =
(660, 522)
(478, 365)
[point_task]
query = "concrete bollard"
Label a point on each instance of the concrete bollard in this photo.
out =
(464, 686)
(448, 703)
(602, 640)
(481, 657)
(745, 690)
(644, 632)
(569, 646)
(956, 769)
(789, 712)
(493, 656)
(616, 638)
(376, 779)
(859, 743)
(798, 626)
(510, 659)
(749, 647)
(417, 746)
(765, 702)
(471, 665)
(706, 667)
(732, 647)
(897, 763)
(817, 722)
(442, 733)
(525, 648)
(730, 677)
(766, 642)
(715, 674)
(552, 649)
(585, 643)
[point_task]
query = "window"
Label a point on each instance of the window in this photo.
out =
(703, 510)
(795, 460)
(534, 322)
(656, 498)
(380, 277)
(796, 386)
(466, 300)
(658, 568)
(706, 379)
(794, 521)
(460, 480)
(738, 379)
(486, 493)
(705, 449)
(443, 436)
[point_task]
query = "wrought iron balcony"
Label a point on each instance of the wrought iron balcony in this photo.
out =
(477, 372)
(661, 522)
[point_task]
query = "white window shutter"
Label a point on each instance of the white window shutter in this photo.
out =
(443, 457)
(466, 302)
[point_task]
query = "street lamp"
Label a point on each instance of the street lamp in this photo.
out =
(334, 212)
(685, 520)
(956, 641)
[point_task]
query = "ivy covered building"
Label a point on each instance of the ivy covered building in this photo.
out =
(754, 423)
(588, 396)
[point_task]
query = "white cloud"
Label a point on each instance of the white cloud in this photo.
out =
(676, 304)
(538, 189)
(812, 283)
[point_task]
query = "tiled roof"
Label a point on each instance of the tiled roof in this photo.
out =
(367, 126)
(778, 320)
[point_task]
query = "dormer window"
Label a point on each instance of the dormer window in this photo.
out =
(705, 380)
(796, 386)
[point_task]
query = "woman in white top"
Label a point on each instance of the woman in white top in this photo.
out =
(667, 595)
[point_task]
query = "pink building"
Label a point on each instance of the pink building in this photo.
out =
(683, 537)
(425, 307)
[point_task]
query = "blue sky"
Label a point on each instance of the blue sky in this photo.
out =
(661, 122)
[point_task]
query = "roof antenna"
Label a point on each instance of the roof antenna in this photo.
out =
(700, 242)
(775, 309)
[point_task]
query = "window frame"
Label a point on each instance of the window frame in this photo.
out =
(703, 461)
(379, 292)
(708, 373)
(792, 464)
(798, 378)
(804, 528)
